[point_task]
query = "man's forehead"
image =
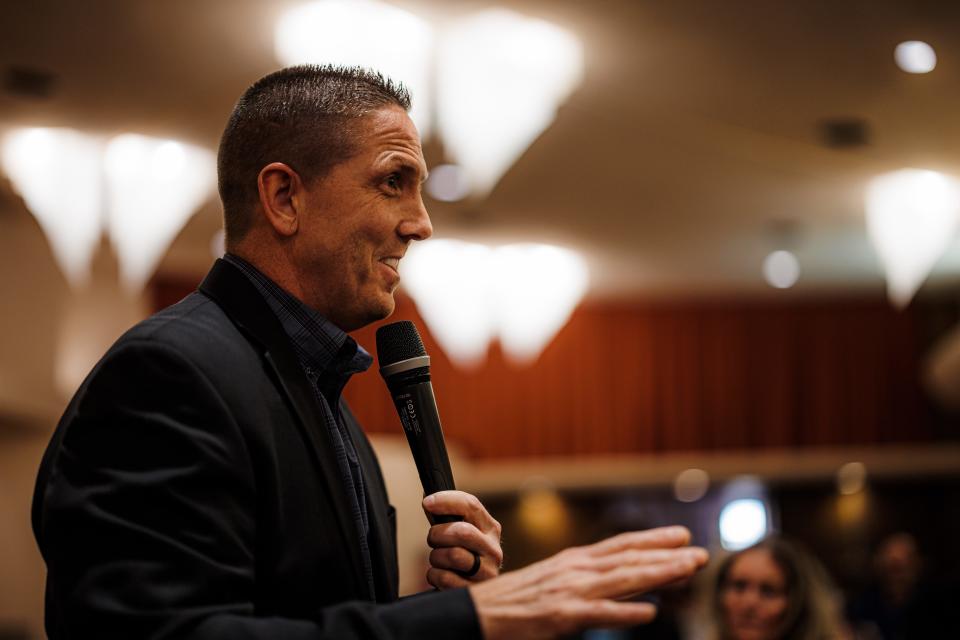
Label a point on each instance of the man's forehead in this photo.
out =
(392, 136)
(390, 122)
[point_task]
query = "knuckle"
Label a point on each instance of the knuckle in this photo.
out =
(462, 530)
(489, 571)
(572, 558)
(461, 558)
(567, 554)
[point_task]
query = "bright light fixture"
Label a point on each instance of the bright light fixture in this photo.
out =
(691, 485)
(543, 513)
(781, 269)
(140, 190)
(500, 79)
(448, 281)
(535, 288)
(57, 172)
(912, 215)
(362, 33)
(153, 187)
(469, 293)
(500, 76)
(851, 478)
(743, 522)
(915, 56)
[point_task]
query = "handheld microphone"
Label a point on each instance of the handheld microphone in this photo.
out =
(405, 367)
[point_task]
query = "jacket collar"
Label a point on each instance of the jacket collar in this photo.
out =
(319, 344)
(236, 295)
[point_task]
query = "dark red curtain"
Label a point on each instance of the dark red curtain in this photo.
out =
(668, 376)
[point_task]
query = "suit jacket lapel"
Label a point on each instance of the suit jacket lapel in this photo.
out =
(234, 293)
(383, 541)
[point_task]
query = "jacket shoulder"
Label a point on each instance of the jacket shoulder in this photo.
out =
(197, 329)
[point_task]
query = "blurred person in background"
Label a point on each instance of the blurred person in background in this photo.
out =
(770, 591)
(900, 604)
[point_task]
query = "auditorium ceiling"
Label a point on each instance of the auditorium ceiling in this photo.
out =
(696, 144)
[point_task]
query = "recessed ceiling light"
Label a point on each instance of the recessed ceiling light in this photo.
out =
(781, 269)
(914, 56)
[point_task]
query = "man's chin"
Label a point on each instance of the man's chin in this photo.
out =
(387, 309)
(382, 310)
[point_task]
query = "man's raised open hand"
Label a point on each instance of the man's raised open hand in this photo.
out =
(584, 586)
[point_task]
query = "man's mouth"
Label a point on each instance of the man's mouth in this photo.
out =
(393, 262)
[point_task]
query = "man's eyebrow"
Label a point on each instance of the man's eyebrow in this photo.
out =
(405, 164)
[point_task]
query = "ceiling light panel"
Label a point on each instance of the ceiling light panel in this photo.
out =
(58, 174)
(912, 217)
(154, 186)
(362, 33)
(501, 78)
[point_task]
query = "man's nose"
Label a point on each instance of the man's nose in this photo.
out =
(417, 225)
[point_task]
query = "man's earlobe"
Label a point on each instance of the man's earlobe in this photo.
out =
(277, 185)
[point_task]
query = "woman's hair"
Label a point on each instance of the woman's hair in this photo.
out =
(811, 613)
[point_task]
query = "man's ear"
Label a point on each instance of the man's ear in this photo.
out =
(280, 190)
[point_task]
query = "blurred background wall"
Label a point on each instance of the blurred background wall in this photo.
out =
(694, 141)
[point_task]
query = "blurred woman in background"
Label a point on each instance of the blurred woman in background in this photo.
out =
(771, 591)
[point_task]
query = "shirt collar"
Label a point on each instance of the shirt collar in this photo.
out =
(321, 346)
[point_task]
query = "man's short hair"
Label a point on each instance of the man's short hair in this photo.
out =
(300, 116)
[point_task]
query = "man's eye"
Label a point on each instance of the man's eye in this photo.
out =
(393, 182)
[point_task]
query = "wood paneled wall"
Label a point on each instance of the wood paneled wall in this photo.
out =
(661, 376)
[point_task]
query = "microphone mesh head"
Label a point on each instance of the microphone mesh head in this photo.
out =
(398, 341)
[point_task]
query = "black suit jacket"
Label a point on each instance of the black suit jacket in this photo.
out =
(190, 491)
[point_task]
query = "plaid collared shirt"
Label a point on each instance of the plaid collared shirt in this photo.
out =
(329, 357)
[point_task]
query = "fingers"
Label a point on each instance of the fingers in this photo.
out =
(464, 534)
(641, 577)
(459, 559)
(661, 538)
(579, 587)
(462, 504)
(632, 557)
(511, 610)
(605, 613)
(457, 545)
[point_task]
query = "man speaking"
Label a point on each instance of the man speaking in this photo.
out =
(208, 480)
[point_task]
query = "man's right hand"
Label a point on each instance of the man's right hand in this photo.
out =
(582, 586)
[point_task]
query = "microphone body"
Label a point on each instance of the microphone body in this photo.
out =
(405, 368)
(413, 396)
